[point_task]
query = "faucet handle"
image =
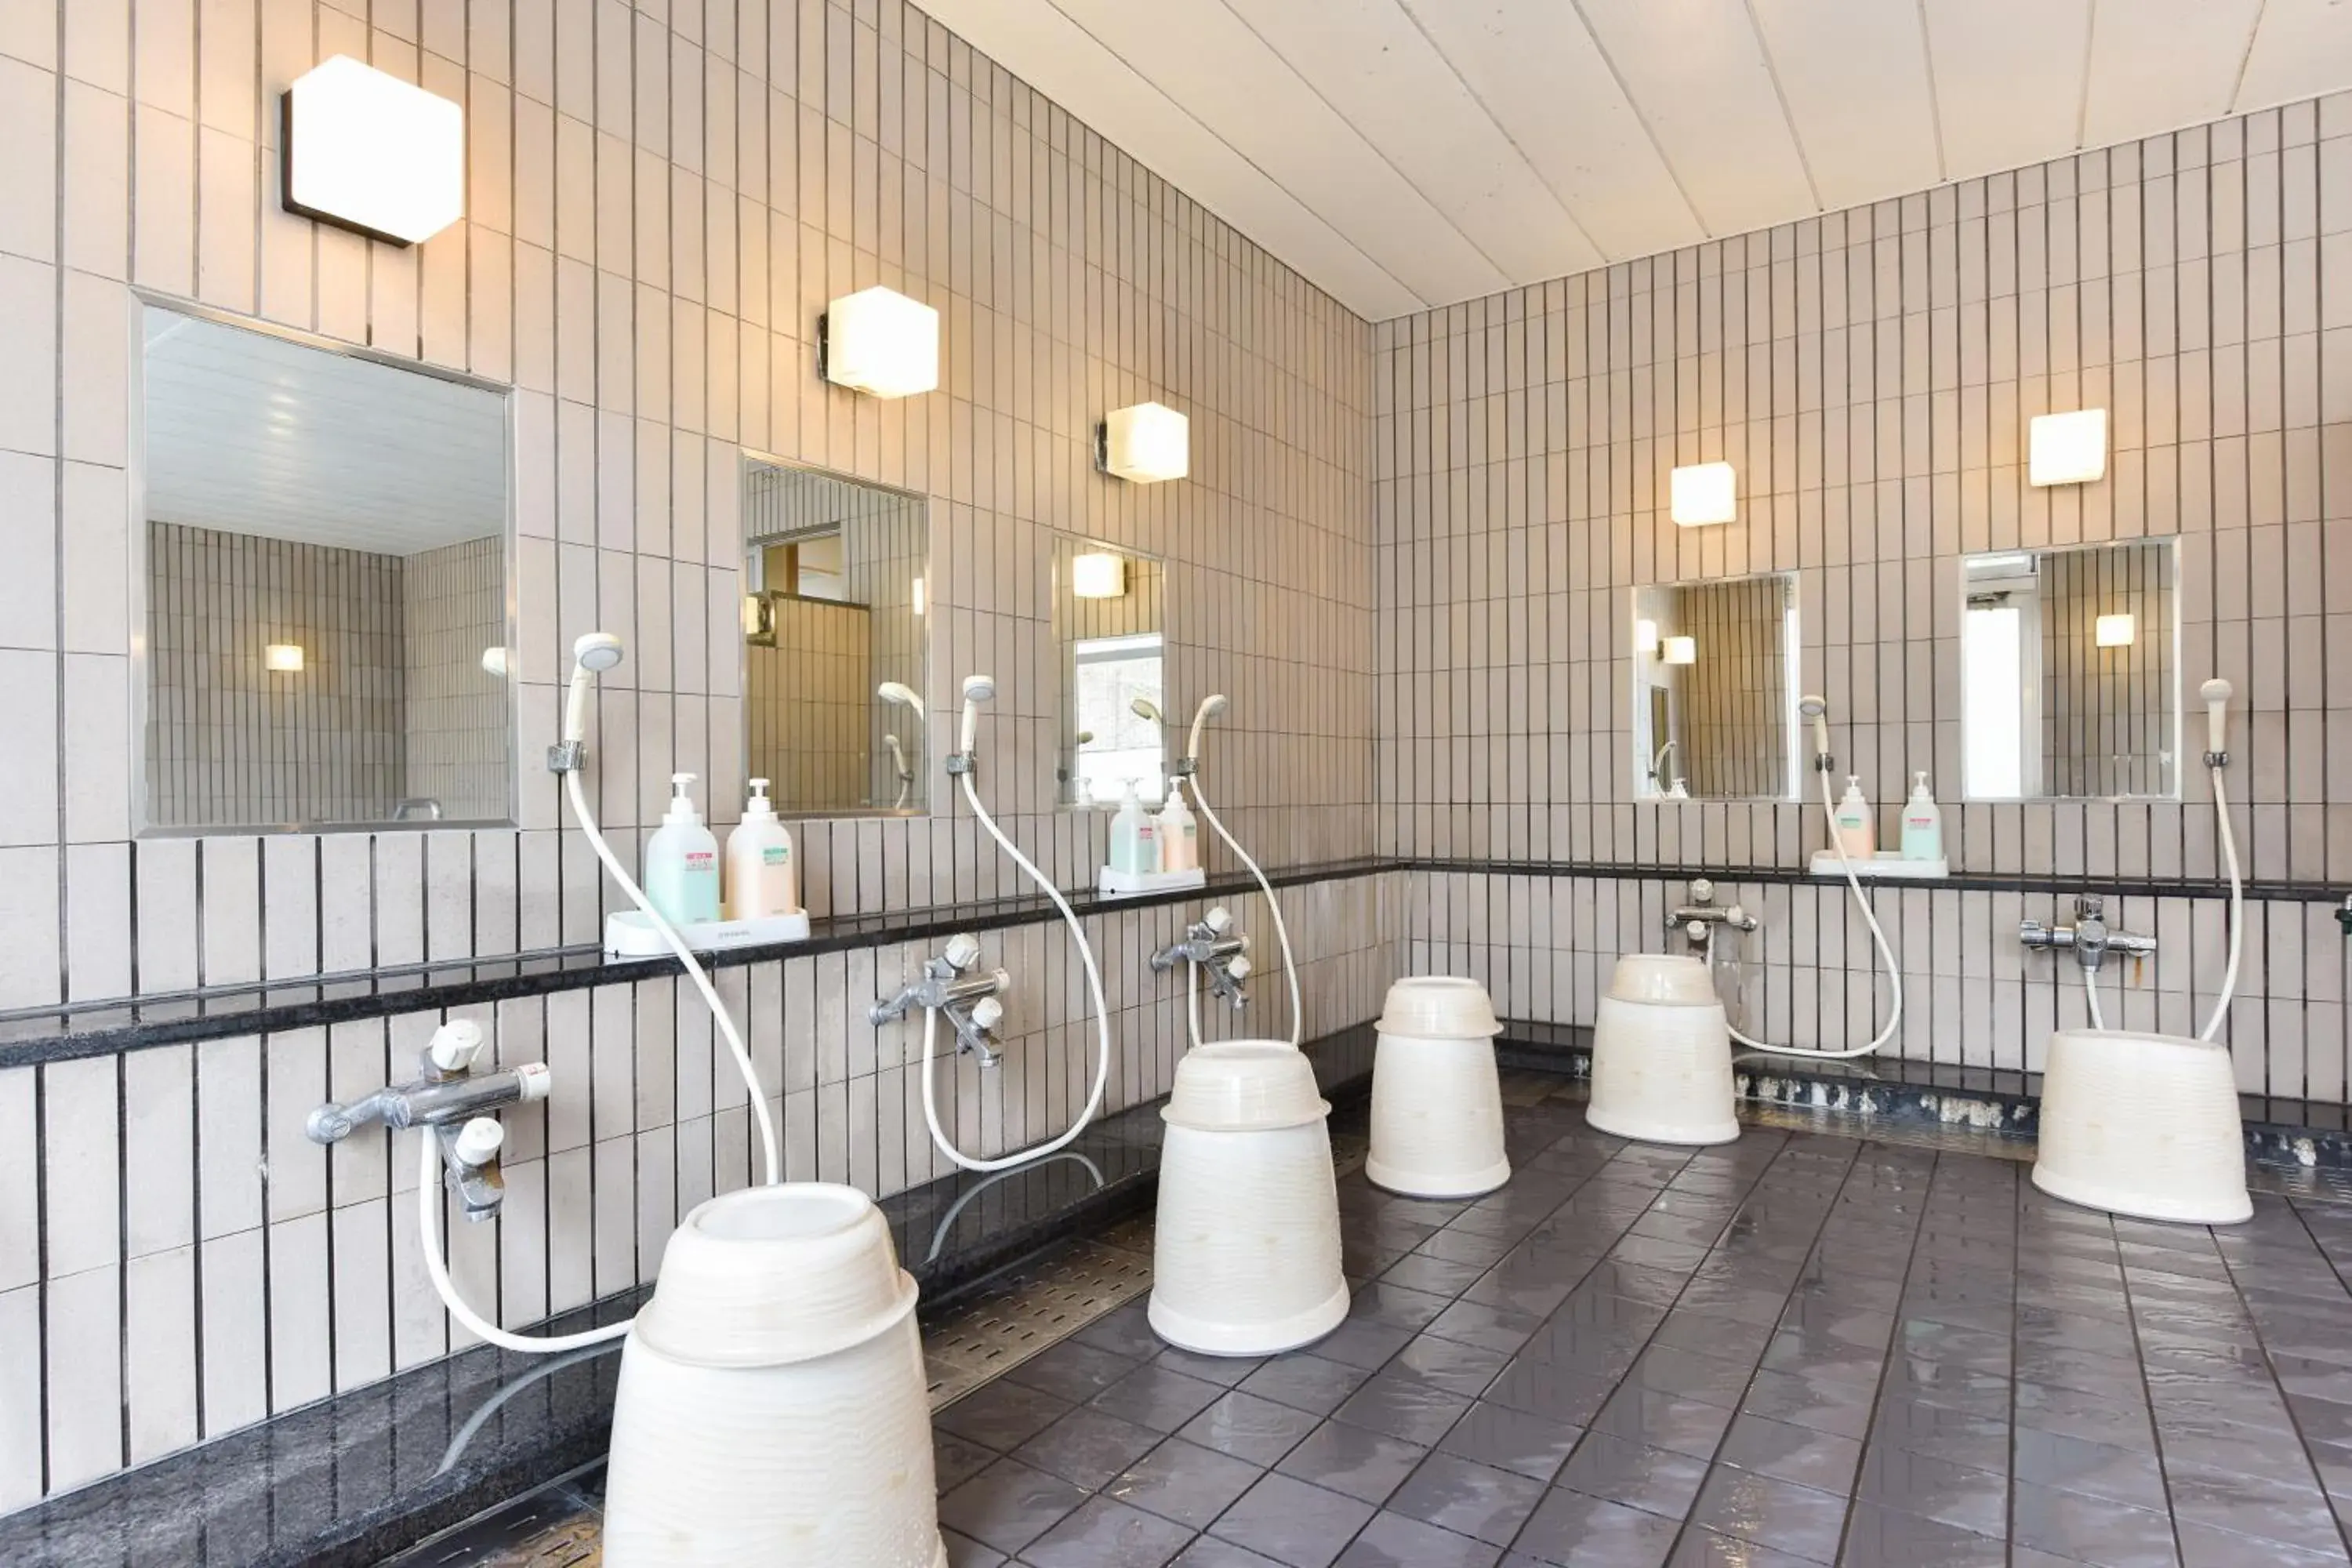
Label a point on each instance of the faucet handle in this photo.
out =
(962, 951)
(2089, 908)
(1240, 967)
(455, 1044)
(988, 1011)
(480, 1141)
(1219, 921)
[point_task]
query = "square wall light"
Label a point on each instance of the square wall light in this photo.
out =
(1645, 636)
(2067, 448)
(879, 341)
(1099, 576)
(2116, 631)
(1147, 443)
(365, 151)
(1702, 494)
(1682, 650)
(283, 657)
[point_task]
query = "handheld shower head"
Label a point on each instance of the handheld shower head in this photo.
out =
(904, 696)
(594, 654)
(977, 689)
(1817, 709)
(2216, 693)
(1144, 708)
(1210, 707)
(897, 759)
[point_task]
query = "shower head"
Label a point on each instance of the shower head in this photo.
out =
(1144, 708)
(1817, 709)
(904, 696)
(1210, 707)
(594, 654)
(598, 651)
(2216, 693)
(494, 663)
(977, 689)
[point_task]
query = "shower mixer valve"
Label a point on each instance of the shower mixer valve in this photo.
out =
(452, 1101)
(2089, 938)
(953, 985)
(1697, 920)
(1214, 944)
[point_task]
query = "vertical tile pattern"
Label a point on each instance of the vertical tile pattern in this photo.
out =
(1870, 374)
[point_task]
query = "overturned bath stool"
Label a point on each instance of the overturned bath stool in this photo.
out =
(1438, 1105)
(1662, 1055)
(1245, 1261)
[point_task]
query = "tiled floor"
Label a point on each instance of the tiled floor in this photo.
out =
(1798, 1348)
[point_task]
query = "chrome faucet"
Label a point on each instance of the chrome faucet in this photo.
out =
(1213, 944)
(416, 806)
(950, 985)
(452, 1102)
(1697, 918)
(2089, 938)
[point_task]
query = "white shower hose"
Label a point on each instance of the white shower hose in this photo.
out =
(1274, 908)
(1094, 986)
(1886, 953)
(2237, 910)
(429, 1173)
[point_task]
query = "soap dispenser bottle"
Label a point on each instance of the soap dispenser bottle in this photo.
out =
(1180, 833)
(1134, 843)
(761, 879)
(682, 861)
(1856, 834)
(1923, 822)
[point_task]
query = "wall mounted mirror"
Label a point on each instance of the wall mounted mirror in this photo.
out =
(2070, 672)
(322, 558)
(835, 652)
(1110, 636)
(1714, 690)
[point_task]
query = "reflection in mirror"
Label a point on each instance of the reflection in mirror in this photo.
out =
(834, 645)
(1716, 689)
(1109, 637)
(2070, 671)
(325, 553)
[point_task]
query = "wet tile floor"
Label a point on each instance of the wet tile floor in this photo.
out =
(1804, 1347)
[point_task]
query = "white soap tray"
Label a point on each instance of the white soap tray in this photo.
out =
(628, 933)
(1132, 884)
(1886, 865)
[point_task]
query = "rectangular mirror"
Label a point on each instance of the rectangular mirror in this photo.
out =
(322, 557)
(2070, 672)
(1714, 690)
(835, 655)
(1110, 640)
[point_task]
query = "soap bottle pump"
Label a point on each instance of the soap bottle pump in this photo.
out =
(1855, 833)
(1180, 834)
(762, 878)
(1923, 822)
(1134, 841)
(682, 861)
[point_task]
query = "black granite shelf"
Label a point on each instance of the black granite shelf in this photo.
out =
(358, 1477)
(106, 1027)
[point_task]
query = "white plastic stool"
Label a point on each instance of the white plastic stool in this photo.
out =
(1437, 1105)
(2143, 1125)
(772, 1405)
(1245, 1261)
(1662, 1055)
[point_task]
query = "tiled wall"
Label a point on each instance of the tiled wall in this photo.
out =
(453, 607)
(231, 742)
(806, 699)
(206, 1265)
(1870, 374)
(661, 199)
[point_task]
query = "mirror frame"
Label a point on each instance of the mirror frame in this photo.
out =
(932, 804)
(2179, 703)
(1792, 659)
(135, 522)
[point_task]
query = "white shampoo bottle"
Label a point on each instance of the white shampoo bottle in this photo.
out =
(1923, 822)
(682, 861)
(1180, 832)
(1855, 833)
(1134, 838)
(762, 878)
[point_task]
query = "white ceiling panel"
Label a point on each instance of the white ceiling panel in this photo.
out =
(1227, 75)
(2159, 65)
(1697, 70)
(249, 433)
(1367, 59)
(1854, 74)
(1402, 153)
(1036, 42)
(1536, 70)
(2302, 48)
(2008, 79)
